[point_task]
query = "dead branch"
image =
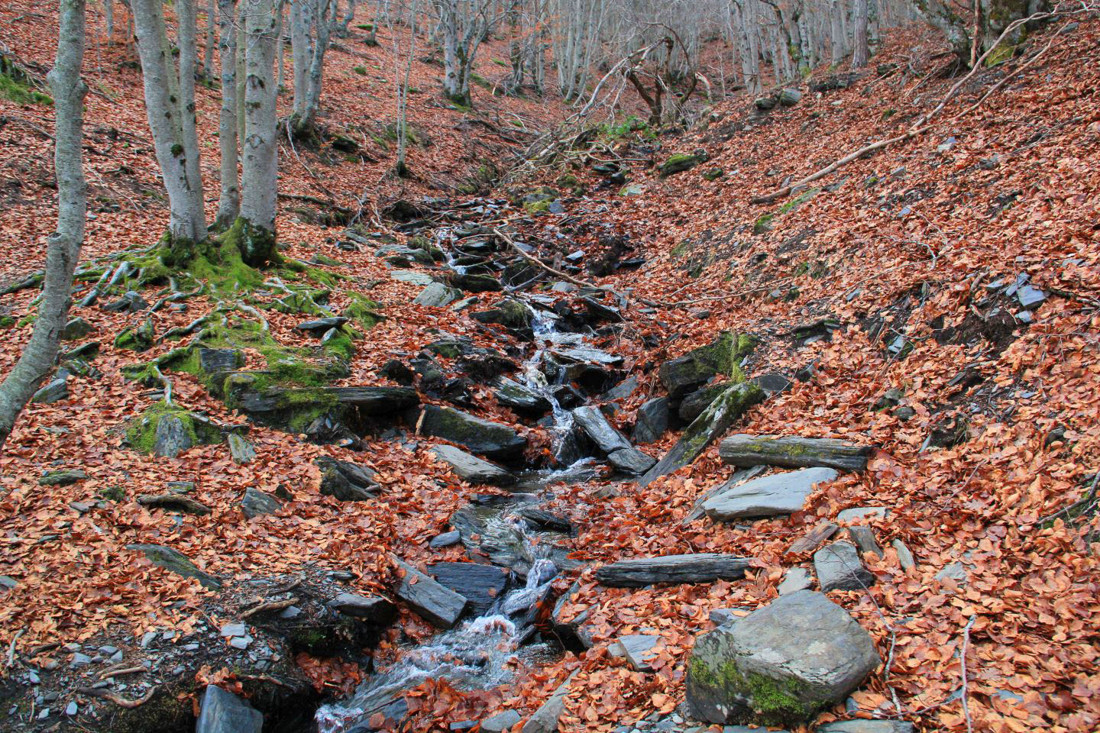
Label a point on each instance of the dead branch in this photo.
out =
(536, 261)
(269, 607)
(122, 702)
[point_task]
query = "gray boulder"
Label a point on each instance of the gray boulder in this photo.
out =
(652, 420)
(631, 460)
(597, 427)
(54, 391)
(520, 398)
(437, 295)
(638, 649)
(867, 726)
(768, 496)
(176, 562)
(473, 469)
(838, 567)
(686, 373)
(171, 438)
(481, 585)
(224, 712)
(480, 436)
(240, 449)
(256, 502)
(436, 603)
(793, 452)
(781, 664)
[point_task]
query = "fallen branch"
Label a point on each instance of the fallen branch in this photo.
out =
(122, 702)
(269, 607)
(11, 647)
(924, 123)
(119, 672)
(1076, 508)
(536, 261)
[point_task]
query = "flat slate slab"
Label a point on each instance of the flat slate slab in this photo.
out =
(793, 452)
(631, 460)
(368, 400)
(224, 712)
(767, 496)
(480, 436)
(429, 598)
(638, 649)
(597, 427)
(481, 585)
(838, 567)
(473, 469)
(703, 567)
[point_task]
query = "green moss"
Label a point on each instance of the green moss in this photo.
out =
(999, 55)
(763, 224)
(113, 493)
(14, 87)
(679, 163)
(360, 70)
(138, 338)
(340, 346)
(7, 321)
(798, 200)
(363, 311)
(141, 433)
(767, 701)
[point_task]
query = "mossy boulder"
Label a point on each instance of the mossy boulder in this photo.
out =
(480, 436)
(780, 665)
(679, 163)
(176, 562)
(167, 430)
(136, 338)
(687, 373)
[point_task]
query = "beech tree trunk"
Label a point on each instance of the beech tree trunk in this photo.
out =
(63, 250)
(859, 46)
(259, 176)
(170, 107)
(229, 202)
(311, 26)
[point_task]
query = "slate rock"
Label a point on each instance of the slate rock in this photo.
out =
(433, 601)
(631, 461)
(437, 295)
(793, 452)
(256, 502)
(767, 496)
(772, 383)
(171, 437)
(623, 390)
(864, 539)
(856, 514)
(374, 609)
(472, 469)
(62, 477)
(699, 400)
(795, 580)
(224, 712)
(651, 421)
(481, 585)
(321, 325)
(414, 278)
(703, 567)
(521, 398)
(838, 567)
(347, 481)
(53, 391)
(76, 328)
(545, 719)
(686, 373)
(955, 571)
(905, 556)
(217, 361)
(501, 722)
(240, 449)
(176, 562)
(867, 726)
(447, 539)
(473, 433)
(706, 428)
(779, 665)
(638, 649)
(475, 283)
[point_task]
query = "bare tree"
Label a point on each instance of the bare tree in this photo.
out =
(260, 165)
(464, 25)
(170, 107)
(859, 51)
(401, 80)
(63, 250)
(311, 25)
(229, 202)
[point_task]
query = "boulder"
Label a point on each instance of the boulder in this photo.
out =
(473, 469)
(480, 585)
(867, 726)
(638, 649)
(54, 391)
(437, 295)
(793, 452)
(256, 502)
(686, 373)
(219, 361)
(75, 329)
(596, 426)
(347, 481)
(472, 283)
(678, 164)
(224, 712)
(780, 665)
(768, 496)
(480, 436)
(738, 477)
(706, 428)
(240, 449)
(631, 461)
(703, 567)
(171, 437)
(520, 398)
(436, 603)
(838, 567)
(789, 97)
(176, 562)
(651, 421)
(699, 400)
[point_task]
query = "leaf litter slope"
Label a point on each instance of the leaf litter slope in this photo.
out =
(913, 236)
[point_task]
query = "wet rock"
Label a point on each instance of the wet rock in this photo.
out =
(631, 461)
(596, 426)
(437, 295)
(795, 580)
(623, 390)
(703, 567)
(321, 326)
(174, 503)
(544, 520)
(481, 585)
(375, 609)
(395, 370)
(521, 399)
(706, 428)
(76, 328)
(867, 726)
(473, 283)
(638, 649)
(480, 436)
(224, 712)
(218, 361)
(545, 719)
(473, 469)
(447, 539)
(838, 567)
(501, 722)
(54, 391)
(509, 313)
(793, 452)
(652, 420)
(347, 481)
(176, 562)
(436, 603)
(768, 496)
(686, 373)
(256, 502)
(779, 665)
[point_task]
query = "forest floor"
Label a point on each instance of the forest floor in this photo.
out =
(889, 288)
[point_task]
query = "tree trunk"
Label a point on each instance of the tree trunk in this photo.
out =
(300, 23)
(211, 39)
(168, 105)
(259, 177)
(109, 16)
(229, 203)
(349, 16)
(63, 250)
(859, 46)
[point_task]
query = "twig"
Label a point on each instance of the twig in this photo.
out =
(120, 701)
(118, 672)
(965, 701)
(1081, 503)
(536, 261)
(269, 607)
(11, 647)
